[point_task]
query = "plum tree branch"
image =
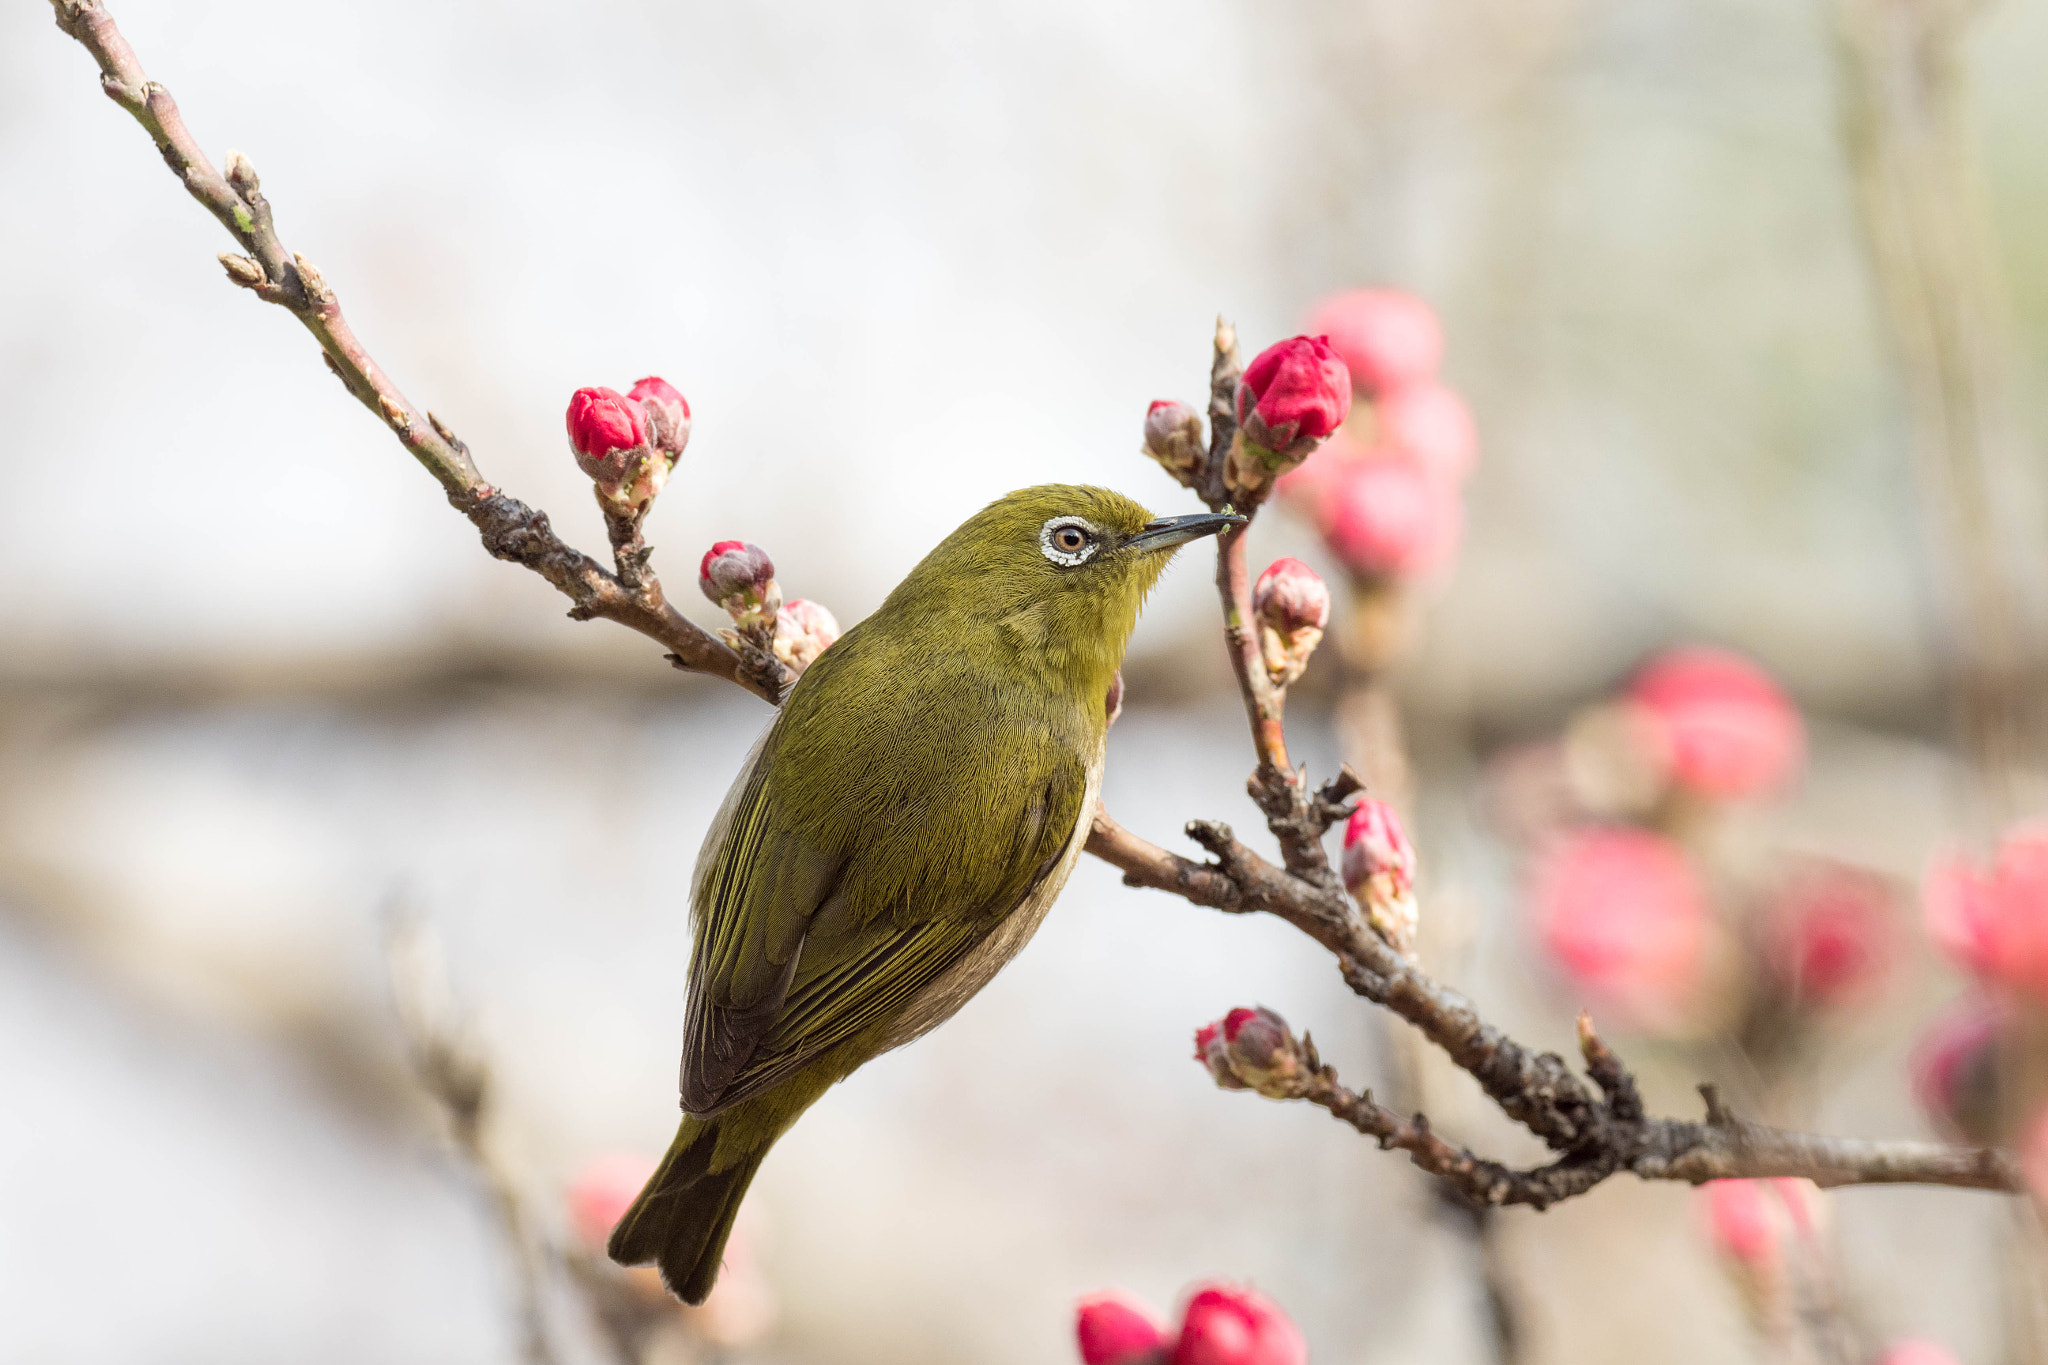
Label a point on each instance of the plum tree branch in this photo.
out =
(1597, 1127)
(510, 529)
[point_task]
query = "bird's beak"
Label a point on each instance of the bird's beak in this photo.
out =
(1168, 532)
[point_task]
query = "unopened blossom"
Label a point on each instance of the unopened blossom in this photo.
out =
(1622, 911)
(1228, 1325)
(1290, 398)
(1173, 437)
(1389, 339)
(741, 578)
(1917, 1352)
(1430, 424)
(602, 1192)
(1728, 729)
(1955, 1069)
(1993, 920)
(1379, 869)
(1115, 1329)
(1292, 604)
(803, 631)
(1251, 1049)
(1760, 1228)
(668, 414)
(1830, 936)
(1386, 517)
(608, 435)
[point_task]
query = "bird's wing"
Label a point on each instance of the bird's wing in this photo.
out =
(786, 968)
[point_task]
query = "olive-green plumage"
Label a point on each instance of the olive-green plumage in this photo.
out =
(897, 836)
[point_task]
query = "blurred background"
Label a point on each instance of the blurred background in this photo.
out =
(1749, 304)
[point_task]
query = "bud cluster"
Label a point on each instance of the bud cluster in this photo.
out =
(1292, 604)
(1252, 1049)
(1384, 489)
(1222, 1324)
(741, 578)
(629, 443)
(1379, 869)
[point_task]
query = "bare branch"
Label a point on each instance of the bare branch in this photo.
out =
(510, 529)
(1621, 1139)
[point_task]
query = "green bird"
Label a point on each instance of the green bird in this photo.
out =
(897, 835)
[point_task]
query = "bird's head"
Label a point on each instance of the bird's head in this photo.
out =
(1059, 570)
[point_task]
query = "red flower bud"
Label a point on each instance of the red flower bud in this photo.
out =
(1622, 911)
(1431, 425)
(1995, 922)
(601, 422)
(1291, 596)
(1390, 340)
(1251, 1049)
(741, 578)
(1385, 516)
(1293, 395)
(1955, 1069)
(1729, 730)
(602, 1192)
(1225, 1325)
(1173, 437)
(1912, 1352)
(668, 414)
(1114, 1329)
(1292, 604)
(1829, 938)
(803, 631)
(1379, 869)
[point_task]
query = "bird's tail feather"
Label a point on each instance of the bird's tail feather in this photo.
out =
(684, 1216)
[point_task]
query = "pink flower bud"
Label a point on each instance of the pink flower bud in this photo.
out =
(741, 578)
(1390, 340)
(602, 1192)
(803, 631)
(1917, 1353)
(1623, 913)
(1293, 604)
(608, 434)
(1829, 938)
(668, 414)
(1293, 395)
(1432, 425)
(1115, 1329)
(1730, 731)
(1757, 1223)
(1226, 1325)
(1385, 516)
(1291, 596)
(1379, 869)
(1995, 922)
(1250, 1049)
(1173, 437)
(1955, 1069)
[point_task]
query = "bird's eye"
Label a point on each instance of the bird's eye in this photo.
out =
(1068, 541)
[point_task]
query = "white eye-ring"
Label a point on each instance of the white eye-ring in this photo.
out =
(1068, 541)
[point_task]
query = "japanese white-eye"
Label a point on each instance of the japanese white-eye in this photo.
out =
(898, 834)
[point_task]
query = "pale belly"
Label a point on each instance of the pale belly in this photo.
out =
(957, 984)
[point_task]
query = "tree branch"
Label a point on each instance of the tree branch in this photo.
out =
(510, 529)
(1598, 1129)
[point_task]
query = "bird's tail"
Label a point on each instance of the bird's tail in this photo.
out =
(684, 1216)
